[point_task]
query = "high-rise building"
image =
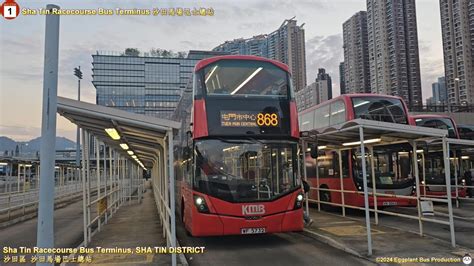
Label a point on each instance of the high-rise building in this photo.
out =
(317, 92)
(356, 54)
(439, 91)
(140, 84)
(307, 97)
(286, 44)
(393, 49)
(323, 86)
(457, 27)
(342, 79)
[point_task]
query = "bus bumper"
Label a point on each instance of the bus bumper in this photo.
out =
(215, 225)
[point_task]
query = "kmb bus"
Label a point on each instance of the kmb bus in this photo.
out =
(392, 163)
(431, 160)
(238, 163)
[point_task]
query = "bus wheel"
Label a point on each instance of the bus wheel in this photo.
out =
(325, 196)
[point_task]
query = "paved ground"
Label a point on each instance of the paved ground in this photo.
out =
(134, 225)
(349, 233)
(275, 249)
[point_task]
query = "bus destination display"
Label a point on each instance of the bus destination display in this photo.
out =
(249, 119)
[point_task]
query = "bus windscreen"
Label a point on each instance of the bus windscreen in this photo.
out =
(242, 78)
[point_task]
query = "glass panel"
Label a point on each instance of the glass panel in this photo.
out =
(245, 77)
(438, 122)
(382, 109)
(245, 170)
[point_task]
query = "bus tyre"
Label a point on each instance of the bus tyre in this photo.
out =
(325, 196)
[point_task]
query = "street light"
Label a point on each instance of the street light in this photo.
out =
(78, 74)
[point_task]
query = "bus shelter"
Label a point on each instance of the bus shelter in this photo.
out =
(124, 147)
(368, 134)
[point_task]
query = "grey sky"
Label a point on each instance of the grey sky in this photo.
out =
(22, 41)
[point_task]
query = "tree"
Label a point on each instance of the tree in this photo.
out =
(182, 54)
(17, 151)
(132, 52)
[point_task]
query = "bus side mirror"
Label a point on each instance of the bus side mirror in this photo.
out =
(313, 151)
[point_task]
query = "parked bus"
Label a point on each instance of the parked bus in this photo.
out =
(238, 164)
(431, 160)
(393, 164)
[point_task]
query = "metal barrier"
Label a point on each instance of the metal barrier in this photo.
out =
(115, 186)
(417, 197)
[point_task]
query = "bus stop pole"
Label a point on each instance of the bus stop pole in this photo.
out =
(45, 230)
(447, 173)
(84, 195)
(366, 194)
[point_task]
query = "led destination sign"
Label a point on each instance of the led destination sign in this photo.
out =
(248, 119)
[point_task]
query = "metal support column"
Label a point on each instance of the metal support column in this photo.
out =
(447, 173)
(366, 194)
(341, 179)
(374, 184)
(417, 185)
(84, 195)
(45, 228)
(305, 175)
(97, 167)
(172, 194)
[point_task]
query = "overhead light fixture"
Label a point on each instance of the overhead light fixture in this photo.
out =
(134, 156)
(322, 147)
(247, 80)
(27, 165)
(130, 152)
(419, 151)
(112, 132)
(465, 157)
(124, 146)
(3, 164)
(358, 142)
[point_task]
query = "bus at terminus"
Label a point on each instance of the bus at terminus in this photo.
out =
(392, 163)
(431, 158)
(238, 161)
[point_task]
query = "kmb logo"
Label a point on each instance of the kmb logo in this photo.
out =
(253, 209)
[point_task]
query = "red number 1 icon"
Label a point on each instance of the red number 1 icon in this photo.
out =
(10, 9)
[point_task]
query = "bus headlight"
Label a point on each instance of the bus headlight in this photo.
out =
(463, 182)
(299, 201)
(201, 205)
(422, 182)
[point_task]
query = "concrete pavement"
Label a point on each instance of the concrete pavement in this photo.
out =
(349, 234)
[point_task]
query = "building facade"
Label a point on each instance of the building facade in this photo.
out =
(440, 93)
(393, 49)
(146, 85)
(307, 97)
(286, 44)
(457, 27)
(342, 79)
(315, 93)
(356, 54)
(324, 86)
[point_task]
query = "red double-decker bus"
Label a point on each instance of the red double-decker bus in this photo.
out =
(431, 159)
(238, 164)
(392, 163)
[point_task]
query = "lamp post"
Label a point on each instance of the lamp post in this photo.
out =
(78, 74)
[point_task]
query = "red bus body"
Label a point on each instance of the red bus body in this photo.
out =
(242, 192)
(349, 180)
(441, 122)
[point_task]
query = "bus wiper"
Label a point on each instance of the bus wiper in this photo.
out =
(233, 141)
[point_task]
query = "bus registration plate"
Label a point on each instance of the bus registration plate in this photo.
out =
(390, 203)
(247, 231)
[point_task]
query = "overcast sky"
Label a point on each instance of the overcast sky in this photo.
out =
(22, 45)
